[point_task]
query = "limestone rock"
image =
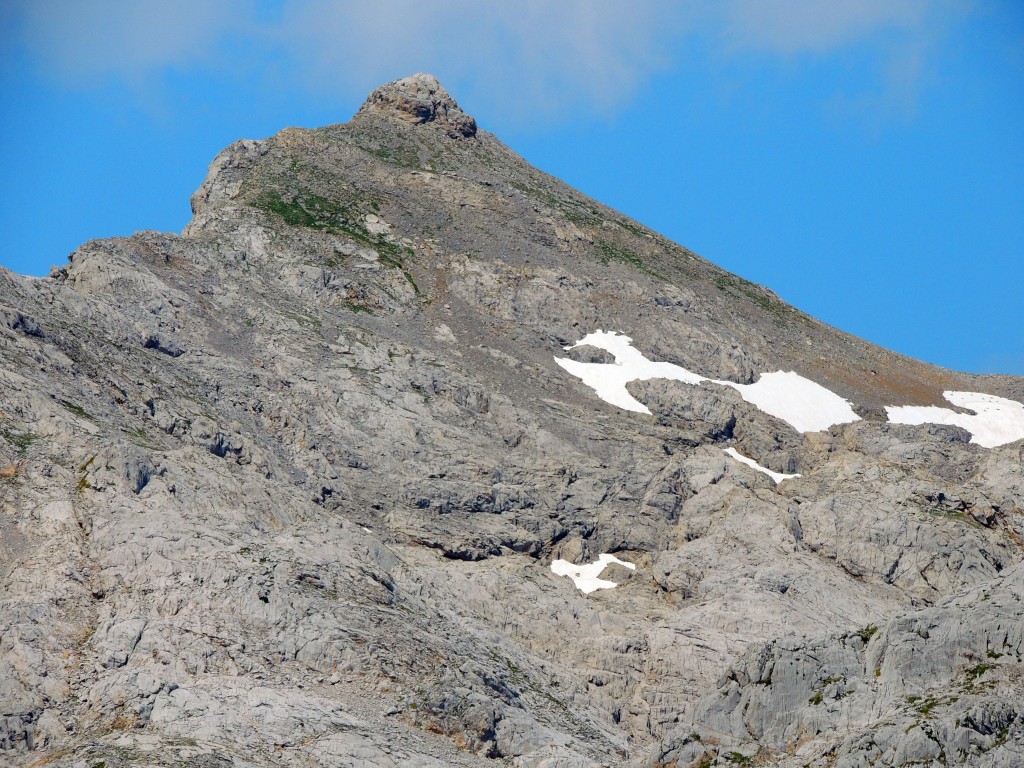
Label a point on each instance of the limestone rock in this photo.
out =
(420, 99)
(285, 489)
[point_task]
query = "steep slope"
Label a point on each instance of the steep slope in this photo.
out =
(286, 490)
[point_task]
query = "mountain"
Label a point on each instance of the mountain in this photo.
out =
(329, 480)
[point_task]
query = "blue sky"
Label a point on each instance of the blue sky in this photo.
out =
(863, 159)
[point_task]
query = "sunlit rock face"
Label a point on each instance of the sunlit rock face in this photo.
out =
(420, 99)
(317, 483)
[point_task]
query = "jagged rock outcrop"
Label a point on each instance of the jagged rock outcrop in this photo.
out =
(420, 99)
(285, 489)
(934, 685)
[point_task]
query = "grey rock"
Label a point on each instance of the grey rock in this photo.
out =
(285, 489)
(421, 99)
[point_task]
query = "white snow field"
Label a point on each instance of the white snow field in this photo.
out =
(585, 576)
(804, 404)
(609, 380)
(778, 477)
(995, 421)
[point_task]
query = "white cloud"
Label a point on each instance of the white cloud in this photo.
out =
(77, 42)
(796, 26)
(532, 60)
(532, 57)
(900, 37)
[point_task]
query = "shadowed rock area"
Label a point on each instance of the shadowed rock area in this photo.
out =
(285, 489)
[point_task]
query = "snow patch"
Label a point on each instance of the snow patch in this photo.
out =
(804, 404)
(996, 420)
(585, 577)
(778, 477)
(609, 380)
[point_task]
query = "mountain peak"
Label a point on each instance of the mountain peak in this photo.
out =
(384, 372)
(420, 99)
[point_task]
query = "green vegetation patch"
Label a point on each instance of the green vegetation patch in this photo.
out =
(779, 310)
(975, 672)
(750, 290)
(767, 679)
(408, 276)
(401, 155)
(352, 306)
(305, 210)
(609, 252)
(77, 410)
(737, 758)
(867, 632)
(954, 514)
(313, 211)
(21, 441)
(925, 705)
(573, 212)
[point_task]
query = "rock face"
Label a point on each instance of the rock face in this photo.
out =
(285, 489)
(420, 99)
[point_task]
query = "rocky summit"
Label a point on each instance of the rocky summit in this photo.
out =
(420, 99)
(404, 453)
